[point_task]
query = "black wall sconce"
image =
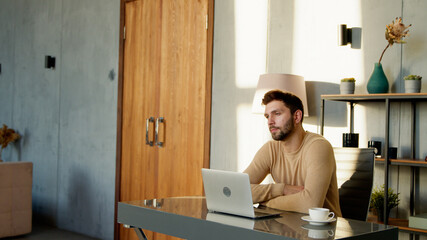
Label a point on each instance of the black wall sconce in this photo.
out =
(49, 62)
(349, 35)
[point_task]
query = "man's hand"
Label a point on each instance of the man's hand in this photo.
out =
(292, 189)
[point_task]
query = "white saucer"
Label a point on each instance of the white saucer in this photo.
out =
(317, 222)
(318, 227)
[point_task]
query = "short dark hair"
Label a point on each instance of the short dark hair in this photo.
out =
(290, 100)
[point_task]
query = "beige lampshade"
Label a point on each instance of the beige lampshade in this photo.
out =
(285, 82)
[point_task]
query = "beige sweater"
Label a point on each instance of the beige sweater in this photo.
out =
(312, 166)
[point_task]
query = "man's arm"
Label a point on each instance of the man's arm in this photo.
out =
(258, 169)
(320, 167)
(292, 189)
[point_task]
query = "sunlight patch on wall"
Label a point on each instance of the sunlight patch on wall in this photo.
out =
(360, 121)
(252, 133)
(250, 41)
(334, 134)
(316, 54)
(310, 127)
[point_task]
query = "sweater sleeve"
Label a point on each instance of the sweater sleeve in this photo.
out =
(320, 163)
(258, 169)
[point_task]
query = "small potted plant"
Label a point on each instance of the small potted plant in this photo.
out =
(377, 201)
(347, 85)
(412, 83)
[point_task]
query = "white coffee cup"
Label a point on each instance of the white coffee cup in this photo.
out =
(313, 233)
(321, 214)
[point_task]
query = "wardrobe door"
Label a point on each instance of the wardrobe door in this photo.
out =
(141, 72)
(183, 99)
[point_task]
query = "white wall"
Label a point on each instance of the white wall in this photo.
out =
(239, 57)
(302, 39)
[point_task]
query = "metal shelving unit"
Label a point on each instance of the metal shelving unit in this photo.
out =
(386, 99)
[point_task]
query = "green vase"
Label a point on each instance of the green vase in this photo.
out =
(378, 82)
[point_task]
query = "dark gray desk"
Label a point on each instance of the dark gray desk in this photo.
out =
(188, 218)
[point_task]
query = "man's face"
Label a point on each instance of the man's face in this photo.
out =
(280, 120)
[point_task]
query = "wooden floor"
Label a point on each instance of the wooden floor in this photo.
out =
(44, 232)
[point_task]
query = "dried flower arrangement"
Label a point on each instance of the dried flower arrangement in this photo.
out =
(7, 135)
(394, 33)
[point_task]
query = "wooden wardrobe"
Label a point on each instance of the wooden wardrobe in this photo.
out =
(164, 100)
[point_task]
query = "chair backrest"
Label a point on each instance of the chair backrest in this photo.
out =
(355, 176)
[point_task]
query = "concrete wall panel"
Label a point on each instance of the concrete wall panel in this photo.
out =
(7, 46)
(88, 116)
(67, 115)
(36, 97)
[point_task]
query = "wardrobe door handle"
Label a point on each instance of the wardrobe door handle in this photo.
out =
(158, 121)
(147, 127)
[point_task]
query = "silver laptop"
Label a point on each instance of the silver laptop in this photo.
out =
(230, 193)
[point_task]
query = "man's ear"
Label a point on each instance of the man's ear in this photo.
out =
(298, 116)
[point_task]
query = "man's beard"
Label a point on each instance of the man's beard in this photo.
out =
(288, 128)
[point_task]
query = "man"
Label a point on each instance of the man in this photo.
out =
(302, 164)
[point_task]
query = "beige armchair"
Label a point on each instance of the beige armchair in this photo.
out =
(16, 180)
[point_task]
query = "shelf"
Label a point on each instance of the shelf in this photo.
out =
(402, 224)
(405, 162)
(375, 97)
(386, 99)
